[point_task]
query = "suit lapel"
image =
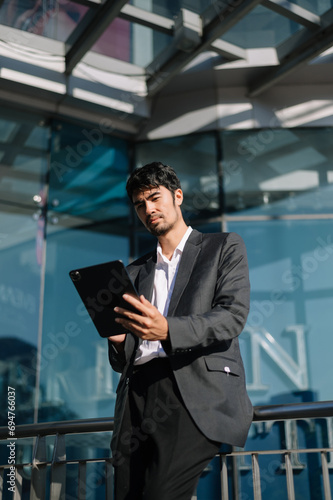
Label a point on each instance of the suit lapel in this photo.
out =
(191, 251)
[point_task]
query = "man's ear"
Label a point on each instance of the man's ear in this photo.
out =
(179, 197)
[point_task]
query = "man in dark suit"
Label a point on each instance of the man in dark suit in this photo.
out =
(182, 389)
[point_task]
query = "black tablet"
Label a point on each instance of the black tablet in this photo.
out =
(101, 288)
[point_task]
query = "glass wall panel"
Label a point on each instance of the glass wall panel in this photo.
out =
(88, 224)
(278, 171)
(287, 340)
(88, 174)
(23, 169)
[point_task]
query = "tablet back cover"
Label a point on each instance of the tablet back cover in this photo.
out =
(101, 288)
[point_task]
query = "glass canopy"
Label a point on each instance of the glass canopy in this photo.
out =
(116, 55)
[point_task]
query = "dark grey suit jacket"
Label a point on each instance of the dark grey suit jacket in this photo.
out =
(207, 312)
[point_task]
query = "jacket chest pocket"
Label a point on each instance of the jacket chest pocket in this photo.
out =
(227, 366)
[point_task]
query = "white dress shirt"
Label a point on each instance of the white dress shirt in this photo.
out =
(164, 282)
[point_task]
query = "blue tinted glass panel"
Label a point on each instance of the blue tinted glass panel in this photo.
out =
(88, 174)
(22, 224)
(287, 339)
(77, 380)
(87, 225)
(278, 172)
(261, 28)
(316, 6)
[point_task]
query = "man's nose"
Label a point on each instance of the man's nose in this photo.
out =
(150, 209)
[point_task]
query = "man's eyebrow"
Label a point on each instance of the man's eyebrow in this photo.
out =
(137, 202)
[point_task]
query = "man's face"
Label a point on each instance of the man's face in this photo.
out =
(157, 209)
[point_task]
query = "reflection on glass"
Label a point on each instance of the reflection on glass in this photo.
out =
(115, 41)
(51, 18)
(278, 171)
(291, 265)
(131, 42)
(261, 28)
(74, 359)
(88, 225)
(23, 169)
(88, 174)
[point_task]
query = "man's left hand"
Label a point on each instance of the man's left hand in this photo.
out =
(150, 324)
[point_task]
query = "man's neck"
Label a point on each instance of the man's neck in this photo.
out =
(171, 240)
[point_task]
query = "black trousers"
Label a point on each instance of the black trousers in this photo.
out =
(162, 451)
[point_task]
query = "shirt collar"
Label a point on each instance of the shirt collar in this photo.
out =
(178, 250)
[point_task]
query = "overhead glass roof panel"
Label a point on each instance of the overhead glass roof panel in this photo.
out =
(131, 42)
(261, 28)
(115, 41)
(318, 7)
(170, 8)
(54, 19)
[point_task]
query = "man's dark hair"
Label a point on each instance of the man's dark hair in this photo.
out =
(152, 174)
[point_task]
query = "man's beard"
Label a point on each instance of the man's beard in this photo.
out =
(161, 229)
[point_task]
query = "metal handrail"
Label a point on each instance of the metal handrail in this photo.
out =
(62, 427)
(58, 463)
(291, 411)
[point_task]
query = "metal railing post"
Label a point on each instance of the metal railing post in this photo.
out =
(256, 477)
(108, 480)
(82, 484)
(58, 470)
(38, 470)
(289, 477)
(326, 477)
(224, 477)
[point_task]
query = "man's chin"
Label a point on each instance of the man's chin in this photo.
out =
(159, 229)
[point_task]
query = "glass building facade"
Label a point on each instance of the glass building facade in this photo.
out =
(63, 205)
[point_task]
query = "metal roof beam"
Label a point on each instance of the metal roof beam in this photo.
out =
(88, 3)
(33, 46)
(89, 30)
(311, 45)
(293, 12)
(173, 60)
(149, 19)
(228, 50)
